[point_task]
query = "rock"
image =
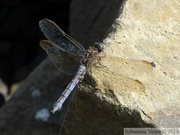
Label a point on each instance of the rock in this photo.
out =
(96, 17)
(28, 110)
(136, 83)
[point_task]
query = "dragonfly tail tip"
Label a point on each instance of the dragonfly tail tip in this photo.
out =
(53, 111)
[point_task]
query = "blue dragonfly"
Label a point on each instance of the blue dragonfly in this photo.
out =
(68, 55)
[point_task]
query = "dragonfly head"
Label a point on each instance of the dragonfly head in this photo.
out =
(99, 46)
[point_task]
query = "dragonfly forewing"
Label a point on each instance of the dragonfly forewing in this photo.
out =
(56, 35)
(64, 61)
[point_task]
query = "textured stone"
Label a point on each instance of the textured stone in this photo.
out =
(150, 31)
(38, 92)
(137, 82)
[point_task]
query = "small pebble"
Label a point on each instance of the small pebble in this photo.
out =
(42, 115)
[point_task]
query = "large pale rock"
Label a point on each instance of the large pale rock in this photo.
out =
(150, 31)
(137, 82)
(124, 90)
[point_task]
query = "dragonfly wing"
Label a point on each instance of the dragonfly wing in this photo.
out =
(64, 61)
(56, 35)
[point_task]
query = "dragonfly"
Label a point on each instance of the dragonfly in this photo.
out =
(68, 55)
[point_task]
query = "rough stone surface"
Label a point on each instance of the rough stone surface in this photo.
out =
(150, 31)
(124, 90)
(137, 82)
(38, 92)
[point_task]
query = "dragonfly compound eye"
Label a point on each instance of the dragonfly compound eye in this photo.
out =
(99, 46)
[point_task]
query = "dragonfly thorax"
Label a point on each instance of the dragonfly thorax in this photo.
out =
(91, 55)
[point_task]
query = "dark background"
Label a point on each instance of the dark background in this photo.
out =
(20, 52)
